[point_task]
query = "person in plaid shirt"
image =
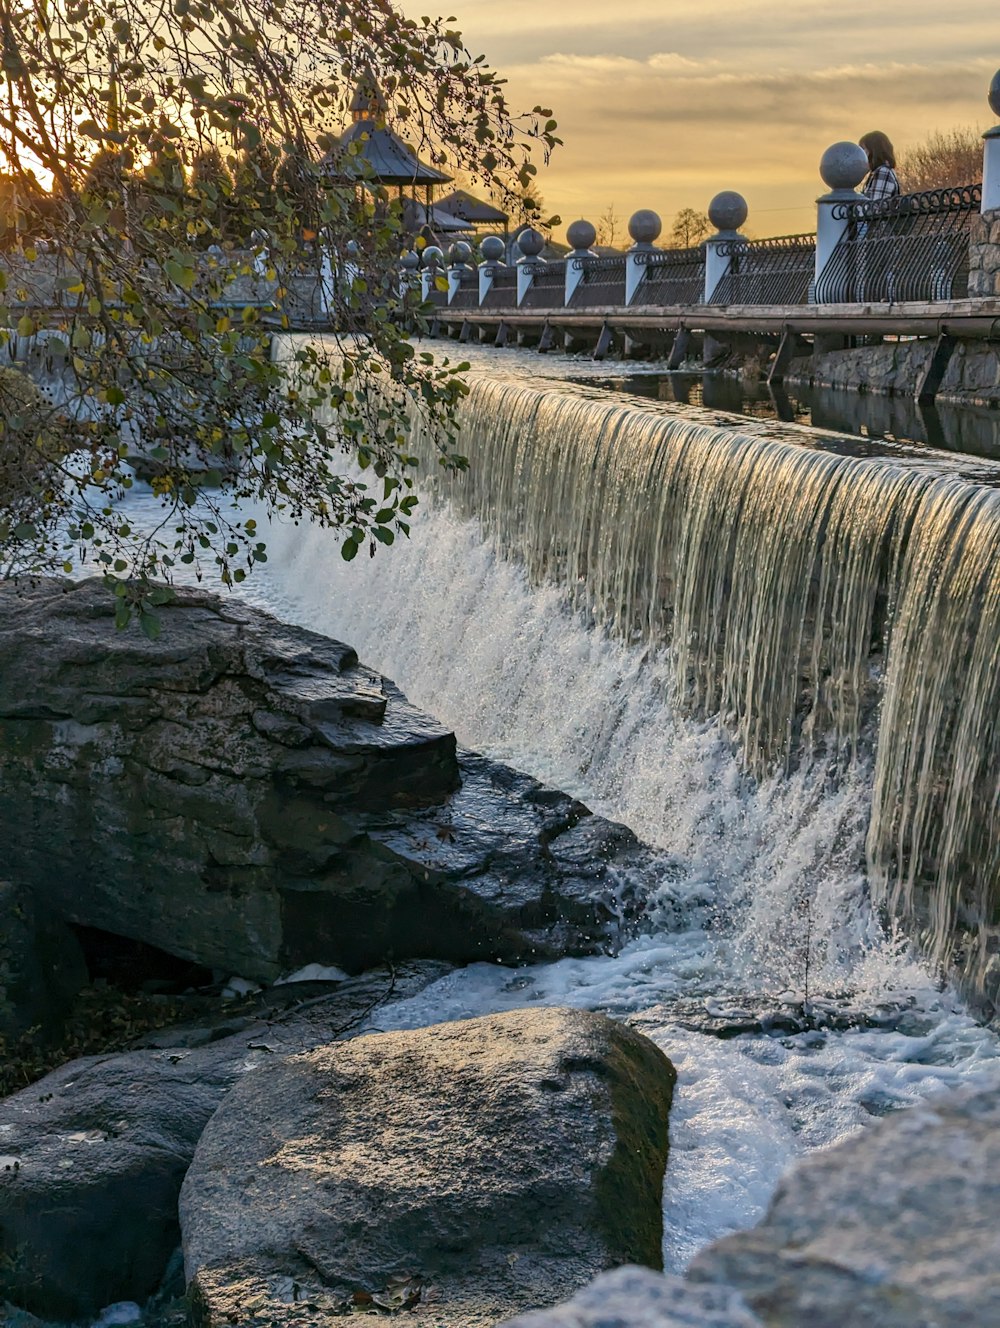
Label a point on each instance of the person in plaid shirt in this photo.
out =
(881, 181)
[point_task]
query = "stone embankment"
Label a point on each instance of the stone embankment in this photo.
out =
(249, 796)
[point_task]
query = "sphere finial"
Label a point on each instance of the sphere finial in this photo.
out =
(994, 94)
(644, 227)
(493, 249)
(530, 242)
(843, 165)
(581, 234)
(728, 210)
(432, 256)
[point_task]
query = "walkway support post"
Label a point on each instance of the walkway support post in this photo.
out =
(644, 227)
(531, 243)
(843, 166)
(991, 153)
(727, 212)
(581, 235)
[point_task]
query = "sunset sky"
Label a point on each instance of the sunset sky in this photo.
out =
(662, 103)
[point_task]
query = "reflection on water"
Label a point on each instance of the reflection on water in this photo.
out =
(970, 429)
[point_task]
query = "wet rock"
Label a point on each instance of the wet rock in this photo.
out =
(92, 1157)
(249, 796)
(636, 1296)
(895, 1228)
(463, 1172)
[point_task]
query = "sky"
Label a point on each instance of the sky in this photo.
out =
(663, 103)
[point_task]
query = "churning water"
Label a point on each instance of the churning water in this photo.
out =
(773, 658)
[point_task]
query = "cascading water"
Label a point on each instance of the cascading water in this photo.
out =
(713, 633)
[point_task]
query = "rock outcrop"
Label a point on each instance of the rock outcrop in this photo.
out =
(247, 795)
(465, 1172)
(894, 1228)
(637, 1296)
(92, 1157)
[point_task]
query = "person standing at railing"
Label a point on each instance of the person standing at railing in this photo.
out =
(881, 180)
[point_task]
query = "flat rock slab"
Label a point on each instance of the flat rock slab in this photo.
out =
(92, 1157)
(631, 1297)
(894, 1228)
(248, 796)
(464, 1172)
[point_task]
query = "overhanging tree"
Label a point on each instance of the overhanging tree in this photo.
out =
(154, 312)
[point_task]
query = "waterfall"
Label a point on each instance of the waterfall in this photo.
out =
(820, 604)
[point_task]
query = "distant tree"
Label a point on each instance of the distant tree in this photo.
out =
(609, 225)
(211, 184)
(690, 228)
(942, 160)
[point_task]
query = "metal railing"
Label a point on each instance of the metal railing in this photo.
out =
(602, 283)
(503, 293)
(548, 287)
(912, 247)
(774, 271)
(672, 276)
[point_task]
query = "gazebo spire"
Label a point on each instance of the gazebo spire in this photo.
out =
(368, 102)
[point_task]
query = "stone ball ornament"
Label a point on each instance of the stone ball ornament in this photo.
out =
(493, 249)
(352, 249)
(994, 94)
(531, 242)
(645, 226)
(581, 234)
(432, 256)
(460, 252)
(728, 210)
(843, 165)
(409, 260)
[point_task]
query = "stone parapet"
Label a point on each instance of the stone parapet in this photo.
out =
(984, 255)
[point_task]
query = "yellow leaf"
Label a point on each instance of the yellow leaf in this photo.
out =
(223, 325)
(25, 326)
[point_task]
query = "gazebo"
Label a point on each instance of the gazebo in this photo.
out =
(383, 157)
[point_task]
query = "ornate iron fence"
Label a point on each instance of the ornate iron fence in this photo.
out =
(912, 247)
(673, 276)
(503, 293)
(779, 270)
(602, 283)
(548, 287)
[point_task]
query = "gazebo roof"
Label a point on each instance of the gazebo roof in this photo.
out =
(391, 160)
(473, 210)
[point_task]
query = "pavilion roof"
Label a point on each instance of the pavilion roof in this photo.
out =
(473, 210)
(391, 160)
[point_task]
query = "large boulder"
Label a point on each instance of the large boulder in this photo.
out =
(465, 1172)
(92, 1157)
(248, 796)
(894, 1228)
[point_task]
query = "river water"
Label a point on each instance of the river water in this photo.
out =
(768, 898)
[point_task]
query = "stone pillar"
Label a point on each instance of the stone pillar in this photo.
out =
(991, 153)
(409, 266)
(460, 258)
(493, 250)
(727, 212)
(581, 235)
(433, 261)
(644, 228)
(843, 166)
(530, 243)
